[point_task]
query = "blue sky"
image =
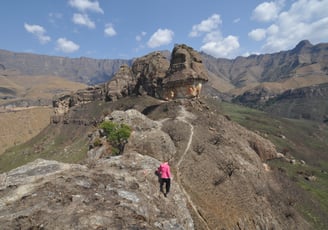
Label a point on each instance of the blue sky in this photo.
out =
(122, 29)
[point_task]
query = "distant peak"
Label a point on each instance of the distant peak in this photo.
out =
(302, 44)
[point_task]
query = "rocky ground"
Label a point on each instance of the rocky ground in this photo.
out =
(220, 180)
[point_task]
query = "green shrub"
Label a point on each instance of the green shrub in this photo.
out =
(117, 135)
(97, 142)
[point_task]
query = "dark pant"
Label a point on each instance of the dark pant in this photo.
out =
(167, 182)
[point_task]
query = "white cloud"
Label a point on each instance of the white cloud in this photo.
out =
(66, 46)
(206, 25)
(109, 30)
(220, 47)
(236, 20)
(214, 43)
(271, 30)
(86, 5)
(306, 19)
(160, 37)
(84, 20)
(257, 34)
(140, 36)
(38, 31)
(266, 11)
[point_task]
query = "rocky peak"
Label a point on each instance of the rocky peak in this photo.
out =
(149, 71)
(302, 45)
(186, 73)
(186, 64)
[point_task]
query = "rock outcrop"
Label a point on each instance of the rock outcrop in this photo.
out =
(121, 85)
(118, 193)
(151, 75)
(186, 74)
(62, 103)
(150, 71)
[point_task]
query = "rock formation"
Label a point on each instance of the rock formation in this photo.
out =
(62, 103)
(151, 75)
(117, 193)
(150, 71)
(186, 74)
(121, 85)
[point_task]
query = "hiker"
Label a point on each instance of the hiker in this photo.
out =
(164, 173)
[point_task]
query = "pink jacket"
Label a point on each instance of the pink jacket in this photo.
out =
(164, 170)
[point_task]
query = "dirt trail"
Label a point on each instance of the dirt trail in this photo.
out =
(183, 116)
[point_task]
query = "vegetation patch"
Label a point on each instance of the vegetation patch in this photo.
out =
(117, 135)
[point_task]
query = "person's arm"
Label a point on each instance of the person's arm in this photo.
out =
(159, 170)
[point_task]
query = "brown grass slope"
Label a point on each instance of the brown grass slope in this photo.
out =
(26, 105)
(33, 88)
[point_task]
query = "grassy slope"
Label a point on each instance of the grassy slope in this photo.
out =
(21, 125)
(36, 87)
(299, 139)
(67, 142)
(18, 125)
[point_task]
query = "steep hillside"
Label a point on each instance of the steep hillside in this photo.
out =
(303, 103)
(219, 170)
(305, 144)
(18, 126)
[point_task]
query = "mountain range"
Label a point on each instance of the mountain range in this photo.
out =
(259, 81)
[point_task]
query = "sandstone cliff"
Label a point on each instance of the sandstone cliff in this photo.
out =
(153, 75)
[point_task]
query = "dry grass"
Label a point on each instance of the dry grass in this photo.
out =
(36, 87)
(18, 125)
(21, 125)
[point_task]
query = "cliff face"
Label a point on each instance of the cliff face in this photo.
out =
(85, 70)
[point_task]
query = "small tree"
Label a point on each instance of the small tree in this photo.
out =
(117, 135)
